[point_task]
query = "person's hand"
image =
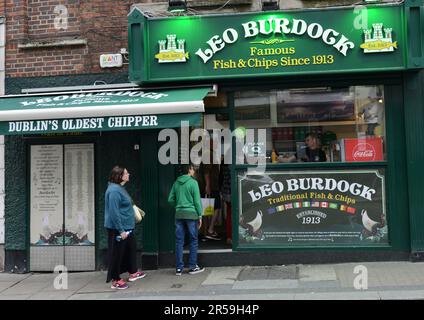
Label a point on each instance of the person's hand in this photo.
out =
(124, 235)
(200, 223)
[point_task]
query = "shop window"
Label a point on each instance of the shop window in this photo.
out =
(220, 101)
(317, 124)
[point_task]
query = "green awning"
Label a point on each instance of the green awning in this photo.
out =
(101, 111)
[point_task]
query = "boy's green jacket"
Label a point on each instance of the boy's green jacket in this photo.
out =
(185, 197)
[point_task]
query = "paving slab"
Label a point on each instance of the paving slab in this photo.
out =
(319, 284)
(276, 296)
(360, 295)
(6, 285)
(8, 277)
(92, 296)
(317, 273)
(402, 295)
(15, 296)
(265, 284)
(269, 272)
(50, 295)
(166, 280)
(223, 275)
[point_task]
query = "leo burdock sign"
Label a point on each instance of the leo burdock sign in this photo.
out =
(315, 207)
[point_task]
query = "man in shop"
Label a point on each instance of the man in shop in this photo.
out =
(313, 151)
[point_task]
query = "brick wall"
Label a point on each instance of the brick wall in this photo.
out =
(48, 38)
(46, 18)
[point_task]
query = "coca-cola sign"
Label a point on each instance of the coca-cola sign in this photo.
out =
(368, 149)
(363, 152)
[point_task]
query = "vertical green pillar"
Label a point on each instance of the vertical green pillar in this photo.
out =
(414, 133)
(136, 40)
(414, 121)
(149, 196)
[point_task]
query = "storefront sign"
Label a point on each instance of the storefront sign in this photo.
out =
(267, 43)
(102, 111)
(314, 207)
(98, 124)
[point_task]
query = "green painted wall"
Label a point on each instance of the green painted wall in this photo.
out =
(396, 173)
(16, 190)
(149, 189)
(112, 149)
(414, 125)
(166, 212)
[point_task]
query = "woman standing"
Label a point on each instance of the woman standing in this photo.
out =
(119, 222)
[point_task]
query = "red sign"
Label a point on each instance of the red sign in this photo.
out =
(367, 149)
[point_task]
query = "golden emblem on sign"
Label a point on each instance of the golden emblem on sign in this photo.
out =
(171, 53)
(378, 42)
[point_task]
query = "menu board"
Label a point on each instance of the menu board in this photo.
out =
(79, 194)
(46, 194)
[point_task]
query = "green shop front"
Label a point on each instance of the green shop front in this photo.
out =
(60, 149)
(351, 79)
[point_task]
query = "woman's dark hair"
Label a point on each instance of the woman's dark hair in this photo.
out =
(186, 167)
(116, 174)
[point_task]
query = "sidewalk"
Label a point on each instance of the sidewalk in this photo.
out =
(386, 280)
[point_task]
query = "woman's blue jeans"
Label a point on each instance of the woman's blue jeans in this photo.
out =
(192, 227)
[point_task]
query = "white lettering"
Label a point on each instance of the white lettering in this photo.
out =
(326, 36)
(315, 34)
(282, 26)
(227, 33)
(262, 26)
(299, 27)
(250, 29)
(343, 45)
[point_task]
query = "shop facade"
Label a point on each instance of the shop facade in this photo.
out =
(352, 79)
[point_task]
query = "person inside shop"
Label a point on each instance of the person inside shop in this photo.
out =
(185, 197)
(210, 188)
(120, 224)
(313, 151)
(371, 112)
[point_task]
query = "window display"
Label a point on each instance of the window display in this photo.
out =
(322, 124)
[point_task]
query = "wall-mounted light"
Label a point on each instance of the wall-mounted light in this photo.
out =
(268, 5)
(177, 6)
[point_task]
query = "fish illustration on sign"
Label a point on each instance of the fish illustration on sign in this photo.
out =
(367, 222)
(378, 42)
(171, 53)
(257, 222)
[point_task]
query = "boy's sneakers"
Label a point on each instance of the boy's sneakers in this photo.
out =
(178, 272)
(196, 270)
(120, 285)
(137, 275)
